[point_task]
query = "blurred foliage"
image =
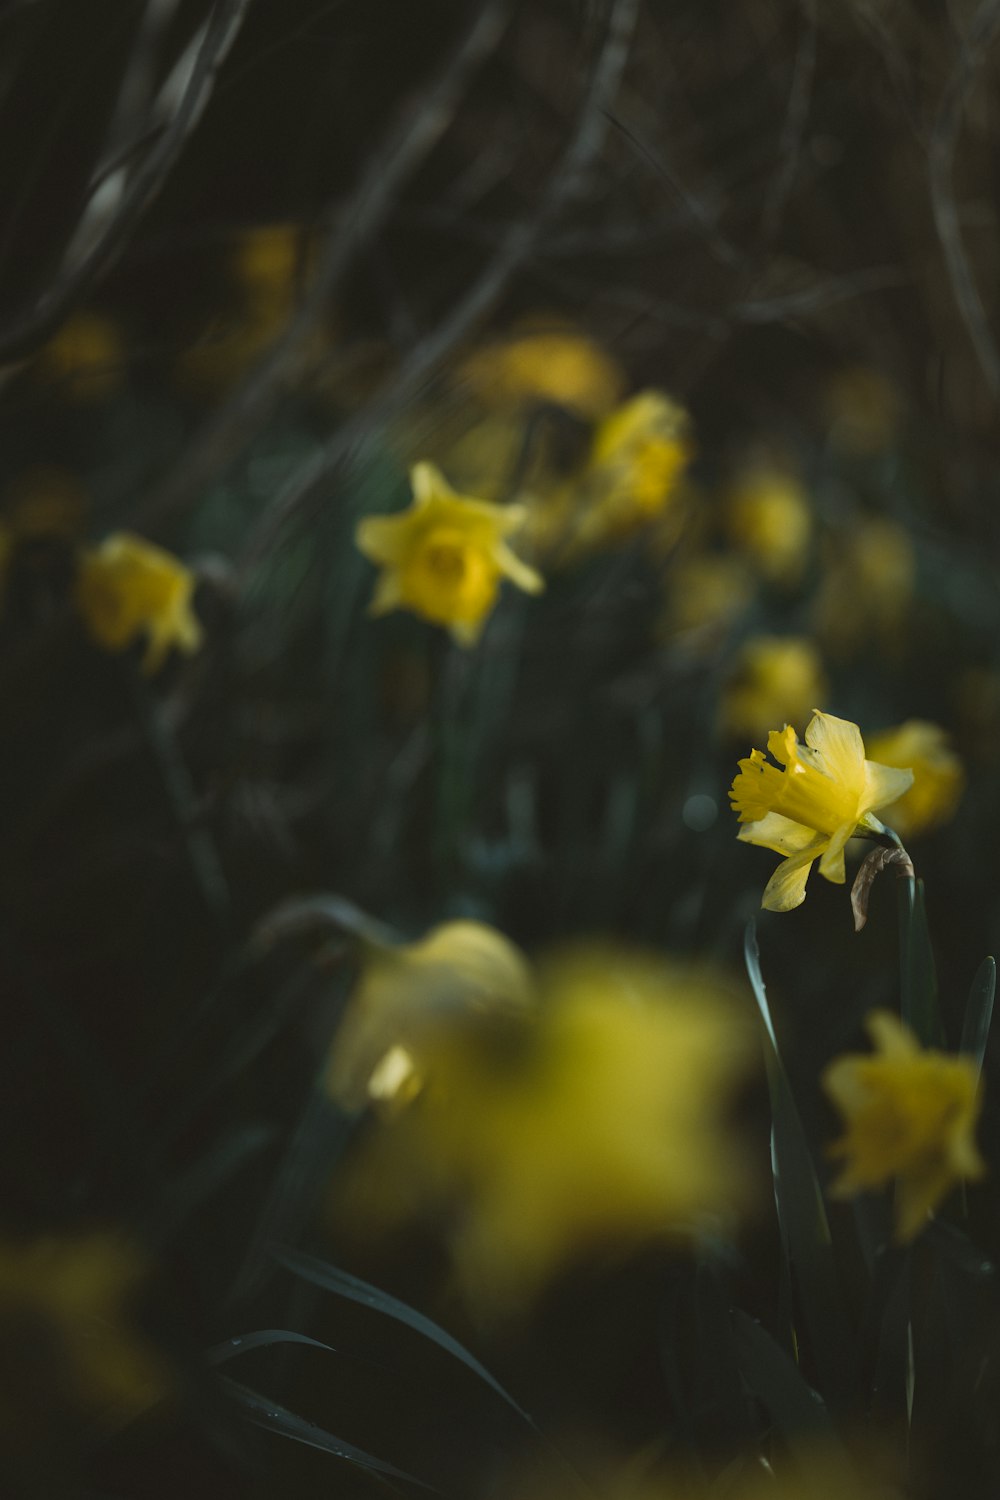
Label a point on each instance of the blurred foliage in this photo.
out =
(316, 1173)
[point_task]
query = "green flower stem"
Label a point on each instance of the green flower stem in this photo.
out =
(203, 859)
(918, 980)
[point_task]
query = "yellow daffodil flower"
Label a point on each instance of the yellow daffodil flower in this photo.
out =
(126, 589)
(869, 576)
(636, 461)
(407, 995)
(910, 1114)
(863, 411)
(769, 519)
(45, 503)
(704, 594)
(64, 1302)
(774, 678)
(603, 1125)
(267, 262)
(85, 358)
(808, 805)
(445, 557)
(938, 777)
(553, 365)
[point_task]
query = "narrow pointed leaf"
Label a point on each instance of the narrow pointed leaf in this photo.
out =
(262, 1339)
(342, 1284)
(805, 1232)
(979, 1012)
(274, 1418)
(918, 976)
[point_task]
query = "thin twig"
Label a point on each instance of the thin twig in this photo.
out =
(408, 142)
(793, 130)
(81, 272)
(940, 163)
(307, 485)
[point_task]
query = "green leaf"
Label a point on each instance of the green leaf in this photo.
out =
(796, 1409)
(262, 1339)
(918, 977)
(806, 1244)
(979, 1012)
(342, 1284)
(273, 1418)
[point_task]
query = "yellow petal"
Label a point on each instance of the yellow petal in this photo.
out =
(884, 784)
(387, 595)
(777, 833)
(427, 481)
(518, 571)
(383, 539)
(831, 865)
(890, 1036)
(787, 886)
(841, 746)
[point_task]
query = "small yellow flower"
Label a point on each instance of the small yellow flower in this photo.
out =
(45, 503)
(863, 410)
(638, 456)
(705, 593)
(445, 557)
(938, 777)
(867, 586)
(774, 678)
(267, 261)
(909, 1113)
(808, 809)
(558, 366)
(407, 995)
(64, 1302)
(85, 357)
(769, 519)
(127, 588)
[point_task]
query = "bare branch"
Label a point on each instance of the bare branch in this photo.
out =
(408, 142)
(940, 162)
(796, 115)
(83, 268)
(309, 483)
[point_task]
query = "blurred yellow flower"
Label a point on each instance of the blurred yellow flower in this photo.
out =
(774, 679)
(909, 1113)
(267, 262)
(637, 458)
(862, 410)
(6, 549)
(605, 1126)
(71, 1346)
(868, 580)
(445, 557)
(86, 357)
(938, 777)
(705, 593)
(227, 349)
(768, 518)
(808, 809)
(126, 589)
(408, 995)
(557, 366)
(45, 502)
